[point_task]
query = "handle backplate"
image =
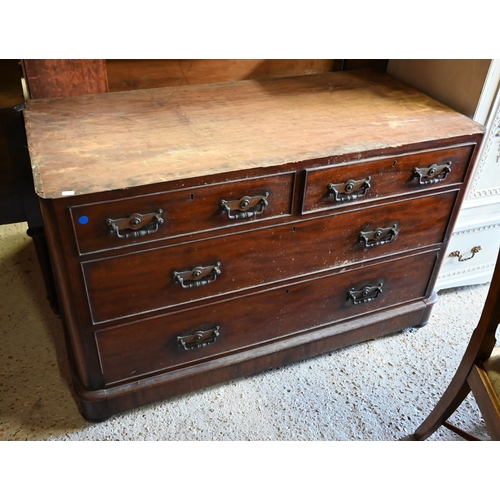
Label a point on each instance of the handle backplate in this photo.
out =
(245, 207)
(200, 338)
(365, 294)
(349, 190)
(379, 236)
(136, 224)
(431, 175)
(198, 276)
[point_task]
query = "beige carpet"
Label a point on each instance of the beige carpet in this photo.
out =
(376, 391)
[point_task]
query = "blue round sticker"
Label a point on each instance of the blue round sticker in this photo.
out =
(83, 219)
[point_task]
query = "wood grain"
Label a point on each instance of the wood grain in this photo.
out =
(143, 281)
(285, 277)
(186, 211)
(388, 176)
(132, 350)
(133, 74)
(47, 78)
(119, 140)
(98, 405)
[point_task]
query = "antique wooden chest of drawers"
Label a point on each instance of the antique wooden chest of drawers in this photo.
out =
(204, 233)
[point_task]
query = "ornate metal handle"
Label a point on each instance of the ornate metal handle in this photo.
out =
(198, 339)
(245, 207)
(431, 175)
(136, 225)
(473, 251)
(379, 236)
(198, 276)
(366, 294)
(349, 190)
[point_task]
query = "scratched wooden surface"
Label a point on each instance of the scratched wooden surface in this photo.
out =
(65, 77)
(100, 142)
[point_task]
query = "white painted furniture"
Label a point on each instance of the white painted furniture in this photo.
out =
(471, 87)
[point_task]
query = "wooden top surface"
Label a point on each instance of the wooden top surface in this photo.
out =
(99, 142)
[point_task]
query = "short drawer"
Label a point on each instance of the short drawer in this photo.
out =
(181, 274)
(133, 220)
(332, 187)
(170, 341)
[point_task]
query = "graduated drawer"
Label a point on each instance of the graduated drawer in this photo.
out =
(147, 280)
(173, 340)
(133, 220)
(336, 186)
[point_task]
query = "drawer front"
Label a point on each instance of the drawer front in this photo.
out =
(153, 345)
(471, 254)
(135, 220)
(144, 281)
(336, 186)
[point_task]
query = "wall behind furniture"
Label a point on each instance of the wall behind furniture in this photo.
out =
(455, 82)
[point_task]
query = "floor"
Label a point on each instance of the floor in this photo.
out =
(376, 391)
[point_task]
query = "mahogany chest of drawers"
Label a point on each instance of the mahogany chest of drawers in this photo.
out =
(204, 233)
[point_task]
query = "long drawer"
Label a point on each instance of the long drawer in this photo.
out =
(134, 220)
(155, 279)
(169, 341)
(331, 187)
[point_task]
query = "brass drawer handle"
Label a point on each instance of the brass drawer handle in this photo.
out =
(136, 225)
(431, 175)
(198, 276)
(198, 339)
(461, 258)
(379, 236)
(365, 294)
(245, 207)
(349, 190)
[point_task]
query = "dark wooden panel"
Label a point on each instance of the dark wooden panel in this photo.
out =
(11, 98)
(132, 74)
(133, 350)
(144, 281)
(65, 77)
(389, 176)
(18, 201)
(11, 205)
(353, 64)
(185, 211)
(101, 404)
(11, 92)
